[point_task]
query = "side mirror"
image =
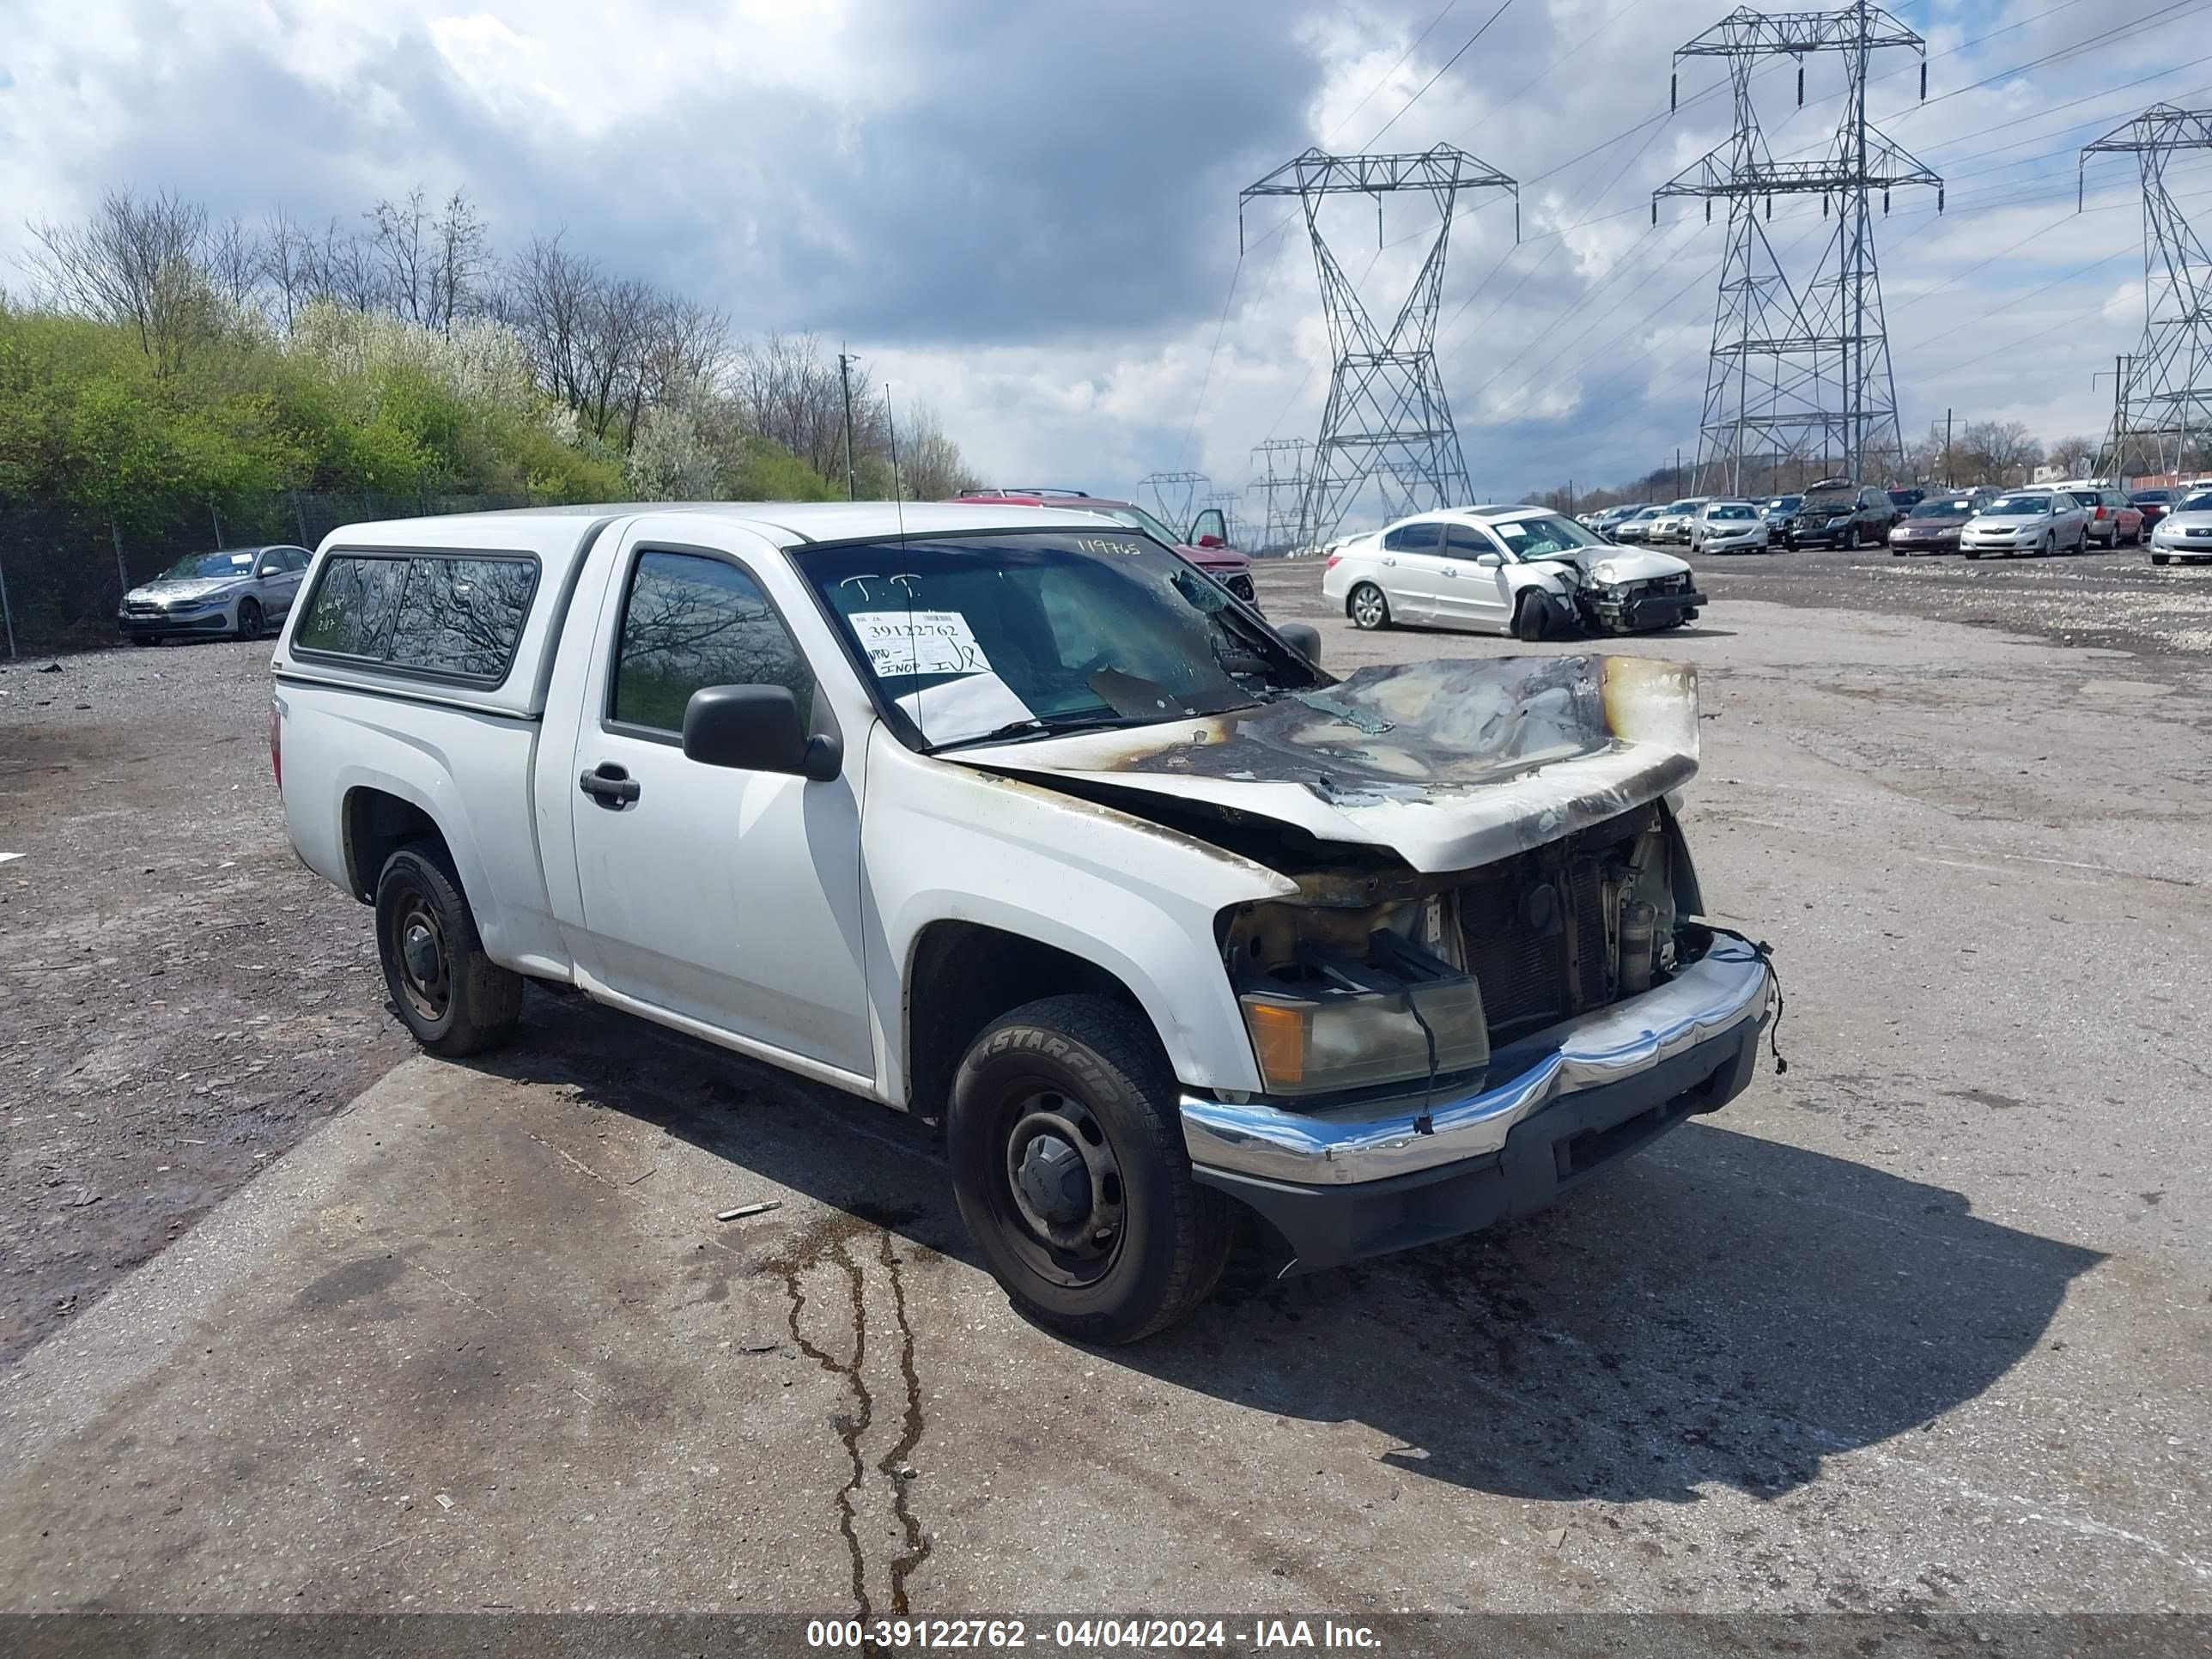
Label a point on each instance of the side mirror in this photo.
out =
(755, 728)
(1303, 639)
(1488, 560)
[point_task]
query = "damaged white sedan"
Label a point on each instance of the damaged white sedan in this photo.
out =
(1016, 821)
(1520, 570)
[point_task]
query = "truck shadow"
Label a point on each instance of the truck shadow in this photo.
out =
(1720, 1310)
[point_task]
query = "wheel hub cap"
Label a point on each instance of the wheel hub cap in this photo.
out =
(1055, 1180)
(420, 950)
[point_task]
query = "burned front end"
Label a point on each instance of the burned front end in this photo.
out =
(1487, 973)
(1442, 1053)
(1631, 607)
(1377, 980)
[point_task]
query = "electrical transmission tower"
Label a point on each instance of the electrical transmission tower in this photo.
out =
(1386, 419)
(1800, 370)
(2164, 409)
(1173, 496)
(1280, 466)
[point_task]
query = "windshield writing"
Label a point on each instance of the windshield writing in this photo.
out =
(973, 636)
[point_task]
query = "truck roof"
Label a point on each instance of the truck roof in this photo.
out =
(790, 524)
(557, 537)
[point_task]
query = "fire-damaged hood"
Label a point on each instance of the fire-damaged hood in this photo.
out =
(1450, 764)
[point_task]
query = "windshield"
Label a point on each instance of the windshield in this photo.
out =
(1785, 504)
(1959, 509)
(1543, 538)
(1832, 499)
(1733, 511)
(2200, 502)
(1687, 504)
(200, 565)
(1015, 635)
(2151, 497)
(2019, 506)
(1649, 513)
(1137, 518)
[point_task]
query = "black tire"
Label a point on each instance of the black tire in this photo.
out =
(1083, 1076)
(1368, 606)
(452, 998)
(1852, 539)
(249, 619)
(1970, 552)
(1531, 618)
(2158, 558)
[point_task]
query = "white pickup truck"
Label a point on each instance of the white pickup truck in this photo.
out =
(1010, 817)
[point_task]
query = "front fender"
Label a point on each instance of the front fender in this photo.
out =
(945, 842)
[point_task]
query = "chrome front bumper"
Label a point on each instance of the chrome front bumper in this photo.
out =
(1375, 1140)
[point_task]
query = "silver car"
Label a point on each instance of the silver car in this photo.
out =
(2185, 532)
(1674, 524)
(2027, 522)
(1728, 527)
(236, 592)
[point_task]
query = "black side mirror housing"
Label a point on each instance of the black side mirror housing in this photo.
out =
(1302, 638)
(755, 728)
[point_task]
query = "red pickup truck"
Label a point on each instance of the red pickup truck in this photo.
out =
(1206, 546)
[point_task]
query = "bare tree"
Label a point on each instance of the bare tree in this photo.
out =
(460, 257)
(2077, 456)
(136, 261)
(288, 264)
(397, 233)
(791, 393)
(1999, 451)
(234, 262)
(345, 269)
(930, 465)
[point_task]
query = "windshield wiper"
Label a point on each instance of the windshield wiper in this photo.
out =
(1038, 726)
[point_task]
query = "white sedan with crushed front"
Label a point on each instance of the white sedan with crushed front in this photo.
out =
(1520, 570)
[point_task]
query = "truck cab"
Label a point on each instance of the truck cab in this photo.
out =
(1006, 817)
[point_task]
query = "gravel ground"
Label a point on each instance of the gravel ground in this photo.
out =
(179, 1000)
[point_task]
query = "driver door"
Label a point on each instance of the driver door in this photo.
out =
(1209, 529)
(725, 896)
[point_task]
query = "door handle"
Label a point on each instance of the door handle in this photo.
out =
(609, 785)
(1451, 571)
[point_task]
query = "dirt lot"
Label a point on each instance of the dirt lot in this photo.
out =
(1925, 1324)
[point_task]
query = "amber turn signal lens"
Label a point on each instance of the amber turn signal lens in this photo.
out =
(1279, 1041)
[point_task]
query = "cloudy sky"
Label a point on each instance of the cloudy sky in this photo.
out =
(1024, 212)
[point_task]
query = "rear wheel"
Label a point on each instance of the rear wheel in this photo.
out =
(1065, 1145)
(452, 998)
(1368, 608)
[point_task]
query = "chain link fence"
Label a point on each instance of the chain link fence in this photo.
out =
(64, 570)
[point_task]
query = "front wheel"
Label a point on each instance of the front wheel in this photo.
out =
(1530, 616)
(452, 998)
(249, 619)
(2158, 558)
(1368, 608)
(1971, 552)
(1065, 1141)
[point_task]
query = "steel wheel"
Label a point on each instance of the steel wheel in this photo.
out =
(1063, 1182)
(1369, 608)
(415, 945)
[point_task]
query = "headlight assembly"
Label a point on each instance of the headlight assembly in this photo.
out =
(1376, 1011)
